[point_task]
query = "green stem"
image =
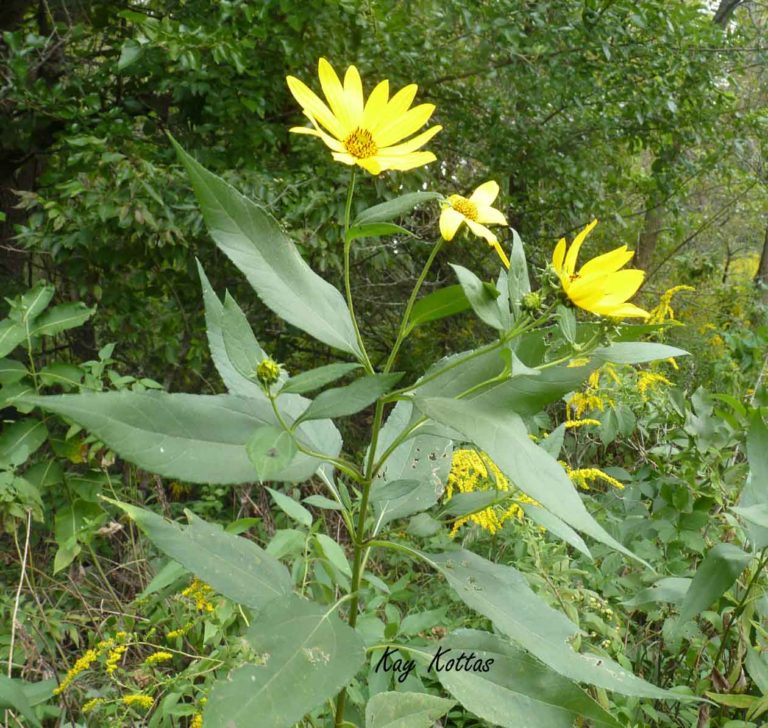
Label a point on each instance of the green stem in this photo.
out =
(347, 282)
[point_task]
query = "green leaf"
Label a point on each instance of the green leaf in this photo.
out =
(232, 565)
(32, 303)
(502, 594)
(402, 498)
(11, 335)
(320, 501)
(13, 696)
(291, 508)
(716, 573)
(465, 504)
(60, 318)
(393, 208)
(129, 54)
(405, 710)
(195, 438)
(344, 401)
(554, 525)
(516, 691)
(61, 374)
(303, 655)
(317, 378)
(242, 349)
(376, 230)
(756, 515)
(480, 297)
(439, 304)
(271, 450)
(334, 553)
(671, 589)
(79, 518)
(754, 495)
(517, 277)
(501, 433)
(11, 371)
(19, 440)
(636, 352)
(423, 525)
(254, 242)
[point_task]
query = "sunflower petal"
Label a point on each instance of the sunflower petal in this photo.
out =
(397, 105)
(608, 262)
(404, 162)
(329, 141)
(482, 232)
(559, 256)
(485, 194)
(371, 164)
(412, 144)
(353, 91)
(344, 158)
(573, 251)
(404, 125)
(623, 310)
(450, 220)
(490, 215)
(334, 92)
(310, 102)
(500, 251)
(376, 105)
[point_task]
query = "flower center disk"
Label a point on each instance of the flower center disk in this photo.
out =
(464, 206)
(360, 144)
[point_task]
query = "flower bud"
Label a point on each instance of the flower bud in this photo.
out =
(268, 372)
(531, 302)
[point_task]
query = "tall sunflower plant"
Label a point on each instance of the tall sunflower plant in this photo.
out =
(314, 654)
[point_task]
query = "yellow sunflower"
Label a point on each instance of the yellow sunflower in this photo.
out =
(599, 286)
(362, 132)
(474, 212)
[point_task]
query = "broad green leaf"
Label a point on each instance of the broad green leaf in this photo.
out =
(757, 668)
(502, 594)
(232, 565)
(502, 434)
(33, 303)
(421, 457)
(556, 526)
(756, 515)
(72, 520)
(405, 710)
(344, 401)
(61, 374)
(513, 689)
(317, 378)
(303, 654)
(401, 498)
(129, 54)
(566, 322)
(716, 573)
(755, 492)
(11, 371)
(393, 208)
(60, 318)
(196, 438)
(291, 508)
(271, 450)
(464, 504)
(254, 242)
(376, 230)
(443, 302)
(334, 553)
(482, 300)
(670, 589)
(11, 335)
(517, 277)
(636, 352)
(19, 440)
(13, 696)
(225, 327)
(423, 525)
(243, 351)
(320, 501)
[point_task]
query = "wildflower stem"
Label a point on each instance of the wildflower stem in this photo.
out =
(18, 594)
(347, 284)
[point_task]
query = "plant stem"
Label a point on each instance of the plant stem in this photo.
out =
(347, 283)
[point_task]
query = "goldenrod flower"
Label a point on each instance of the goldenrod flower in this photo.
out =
(663, 310)
(83, 663)
(599, 287)
(583, 476)
(571, 424)
(365, 133)
(197, 721)
(199, 592)
(91, 704)
(114, 657)
(473, 471)
(158, 657)
(142, 701)
(475, 211)
(650, 380)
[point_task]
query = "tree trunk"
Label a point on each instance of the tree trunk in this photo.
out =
(761, 277)
(649, 235)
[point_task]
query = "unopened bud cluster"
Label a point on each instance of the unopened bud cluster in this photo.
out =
(268, 372)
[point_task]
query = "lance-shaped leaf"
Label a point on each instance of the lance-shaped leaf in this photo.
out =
(502, 594)
(513, 689)
(554, 525)
(13, 695)
(197, 438)
(716, 573)
(754, 496)
(11, 335)
(232, 565)
(405, 710)
(517, 278)
(302, 655)
(481, 296)
(317, 378)
(437, 305)
(376, 230)
(251, 238)
(402, 498)
(636, 352)
(392, 209)
(60, 318)
(344, 401)
(502, 434)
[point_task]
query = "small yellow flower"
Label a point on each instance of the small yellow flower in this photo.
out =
(599, 286)
(365, 133)
(586, 422)
(174, 633)
(83, 663)
(197, 721)
(580, 361)
(199, 592)
(647, 380)
(581, 402)
(91, 704)
(474, 211)
(158, 657)
(141, 701)
(663, 310)
(582, 477)
(114, 657)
